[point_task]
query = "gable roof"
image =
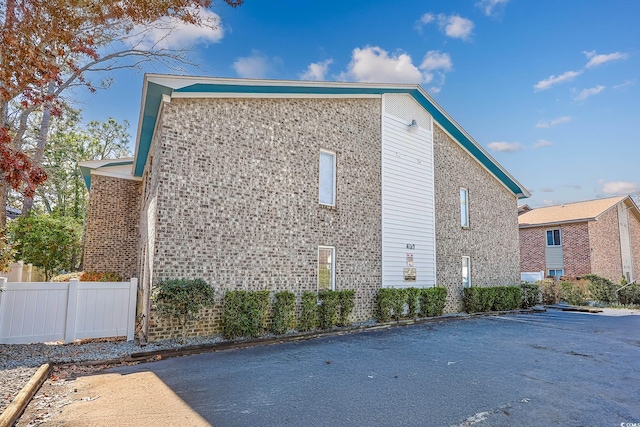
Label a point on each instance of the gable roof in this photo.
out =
(588, 210)
(157, 87)
(112, 167)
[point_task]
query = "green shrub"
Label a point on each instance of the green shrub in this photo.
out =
(630, 295)
(413, 301)
(328, 308)
(346, 304)
(398, 301)
(432, 301)
(384, 304)
(47, 241)
(309, 315)
(182, 299)
(245, 313)
(472, 301)
(497, 298)
(284, 312)
(573, 293)
(507, 298)
(601, 289)
(530, 295)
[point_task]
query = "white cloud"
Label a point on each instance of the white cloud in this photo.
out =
(257, 65)
(427, 18)
(374, 64)
(619, 187)
(546, 190)
(585, 93)
(542, 143)
(453, 26)
(560, 120)
(433, 90)
(554, 80)
(509, 147)
(550, 202)
(595, 59)
(458, 27)
(172, 33)
(543, 124)
(317, 70)
(625, 83)
(490, 6)
(435, 60)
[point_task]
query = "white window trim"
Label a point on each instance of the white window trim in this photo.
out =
(466, 193)
(333, 266)
(546, 240)
(468, 259)
(335, 160)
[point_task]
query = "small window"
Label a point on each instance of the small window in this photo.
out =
(553, 238)
(556, 273)
(464, 207)
(327, 186)
(466, 272)
(326, 267)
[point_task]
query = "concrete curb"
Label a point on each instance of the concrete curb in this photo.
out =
(18, 405)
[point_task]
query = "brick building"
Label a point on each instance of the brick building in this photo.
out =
(255, 184)
(596, 236)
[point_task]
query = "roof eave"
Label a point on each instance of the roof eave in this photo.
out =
(554, 223)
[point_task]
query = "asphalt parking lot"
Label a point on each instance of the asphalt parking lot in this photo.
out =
(554, 368)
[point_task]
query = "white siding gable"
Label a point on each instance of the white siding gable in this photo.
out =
(408, 215)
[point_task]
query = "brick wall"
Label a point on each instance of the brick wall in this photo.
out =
(237, 195)
(604, 235)
(532, 244)
(576, 249)
(634, 230)
(111, 236)
(492, 237)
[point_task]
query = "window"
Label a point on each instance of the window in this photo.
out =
(464, 207)
(556, 273)
(326, 267)
(327, 185)
(466, 272)
(553, 238)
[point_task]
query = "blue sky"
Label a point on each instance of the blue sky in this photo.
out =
(550, 88)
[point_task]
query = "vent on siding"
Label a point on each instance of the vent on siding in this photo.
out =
(403, 106)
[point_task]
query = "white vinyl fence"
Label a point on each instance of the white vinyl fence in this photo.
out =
(531, 276)
(50, 311)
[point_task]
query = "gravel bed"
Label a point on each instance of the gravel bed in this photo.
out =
(18, 362)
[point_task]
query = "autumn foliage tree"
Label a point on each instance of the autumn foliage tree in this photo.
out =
(40, 40)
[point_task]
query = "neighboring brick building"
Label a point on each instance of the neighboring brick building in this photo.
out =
(597, 236)
(255, 184)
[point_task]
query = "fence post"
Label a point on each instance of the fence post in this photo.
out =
(72, 302)
(131, 315)
(3, 289)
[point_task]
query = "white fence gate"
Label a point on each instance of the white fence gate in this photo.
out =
(50, 311)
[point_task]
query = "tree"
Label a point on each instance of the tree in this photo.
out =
(53, 243)
(40, 41)
(69, 142)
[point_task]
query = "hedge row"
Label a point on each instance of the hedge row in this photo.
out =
(247, 313)
(500, 298)
(397, 304)
(591, 287)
